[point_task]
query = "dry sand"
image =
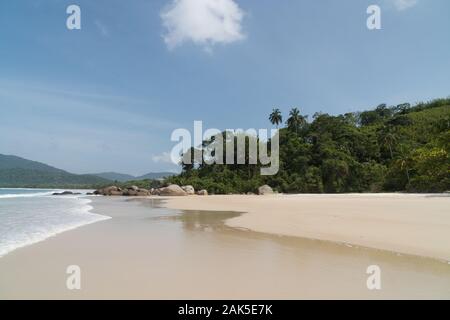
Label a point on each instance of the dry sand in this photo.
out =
(403, 223)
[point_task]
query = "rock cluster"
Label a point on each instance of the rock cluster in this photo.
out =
(130, 191)
(172, 190)
(65, 193)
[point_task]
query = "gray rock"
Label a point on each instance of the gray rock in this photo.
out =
(108, 190)
(156, 192)
(143, 192)
(132, 192)
(65, 193)
(188, 189)
(172, 191)
(265, 190)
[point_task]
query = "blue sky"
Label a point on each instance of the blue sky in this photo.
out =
(108, 96)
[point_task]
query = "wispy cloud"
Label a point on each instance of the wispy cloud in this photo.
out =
(203, 22)
(102, 29)
(81, 131)
(404, 4)
(102, 108)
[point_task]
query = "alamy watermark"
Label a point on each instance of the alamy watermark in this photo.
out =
(232, 146)
(374, 280)
(73, 281)
(374, 19)
(73, 21)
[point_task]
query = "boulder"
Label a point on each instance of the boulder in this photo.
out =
(132, 192)
(156, 192)
(108, 190)
(143, 192)
(65, 193)
(202, 192)
(265, 190)
(172, 190)
(188, 189)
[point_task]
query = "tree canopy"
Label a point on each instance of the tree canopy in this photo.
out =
(389, 148)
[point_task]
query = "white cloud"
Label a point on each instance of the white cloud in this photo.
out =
(204, 22)
(162, 158)
(404, 4)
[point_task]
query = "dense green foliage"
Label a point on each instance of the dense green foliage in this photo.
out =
(143, 184)
(29, 178)
(399, 148)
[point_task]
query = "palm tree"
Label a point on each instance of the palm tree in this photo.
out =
(404, 165)
(389, 140)
(296, 120)
(404, 162)
(276, 117)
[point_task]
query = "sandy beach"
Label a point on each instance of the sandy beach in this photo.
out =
(210, 251)
(402, 223)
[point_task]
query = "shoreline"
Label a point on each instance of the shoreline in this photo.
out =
(250, 220)
(410, 224)
(137, 254)
(85, 207)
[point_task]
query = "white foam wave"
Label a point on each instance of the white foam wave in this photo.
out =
(26, 195)
(29, 233)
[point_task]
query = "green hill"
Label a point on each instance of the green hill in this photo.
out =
(389, 148)
(13, 162)
(22, 173)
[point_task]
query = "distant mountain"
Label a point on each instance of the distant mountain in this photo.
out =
(114, 176)
(19, 172)
(155, 175)
(121, 177)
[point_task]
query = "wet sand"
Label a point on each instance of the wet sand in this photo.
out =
(148, 252)
(405, 223)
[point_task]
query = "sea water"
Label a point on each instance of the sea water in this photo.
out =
(28, 216)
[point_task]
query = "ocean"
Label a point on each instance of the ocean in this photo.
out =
(28, 216)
